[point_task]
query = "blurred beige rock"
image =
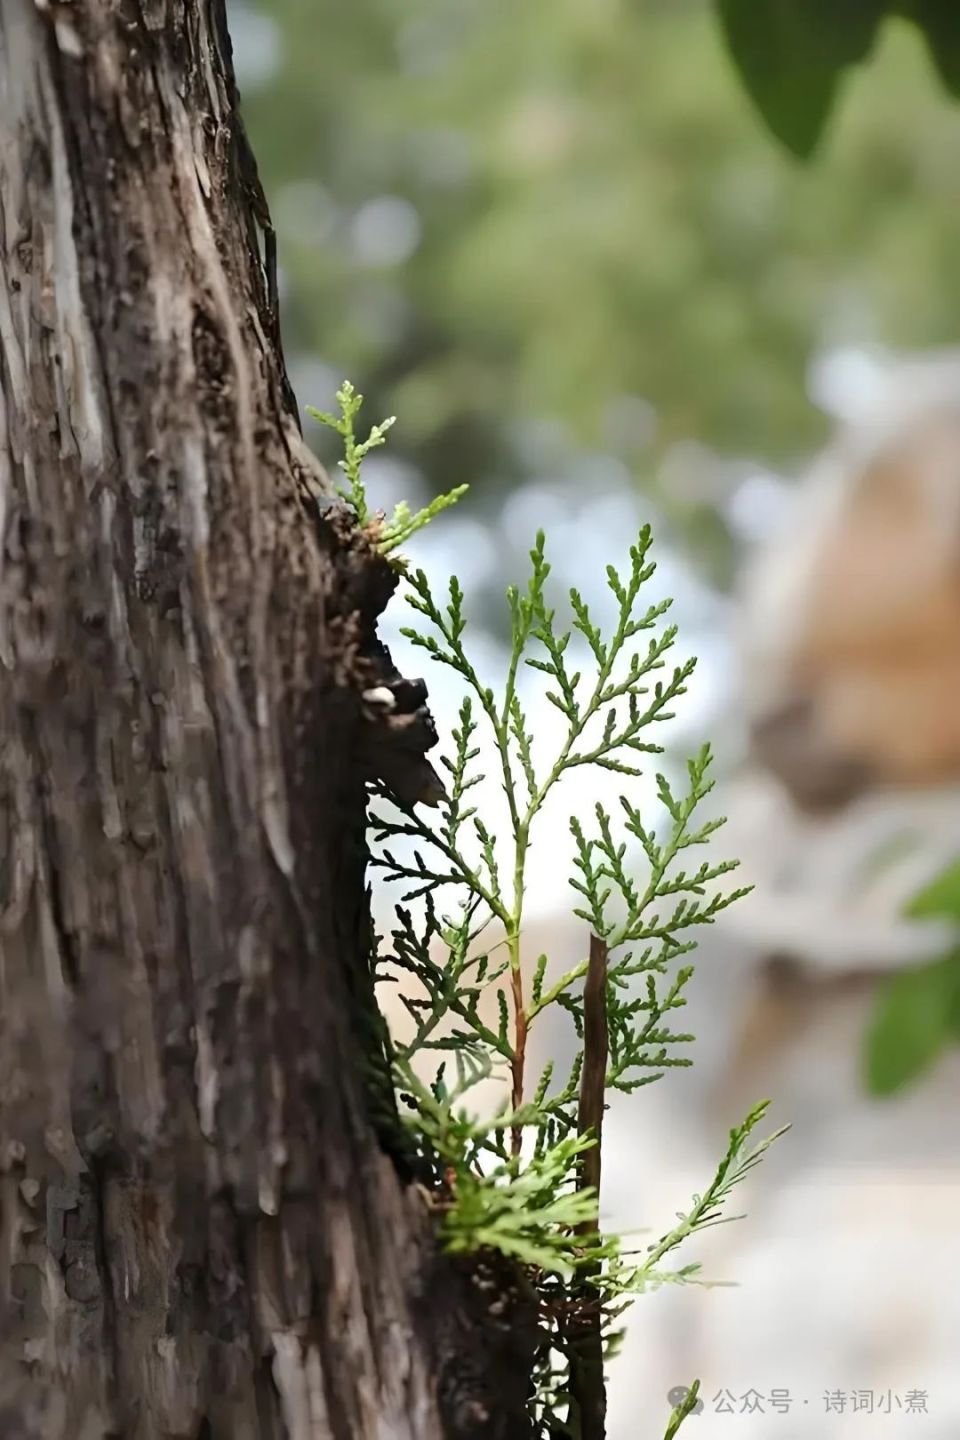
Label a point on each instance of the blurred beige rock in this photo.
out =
(847, 1303)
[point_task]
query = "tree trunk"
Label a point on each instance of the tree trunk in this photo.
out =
(200, 1235)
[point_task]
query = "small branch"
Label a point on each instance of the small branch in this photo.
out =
(588, 1405)
(518, 1063)
(594, 1077)
(686, 1407)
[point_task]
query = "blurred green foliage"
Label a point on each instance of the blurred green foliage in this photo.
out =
(542, 230)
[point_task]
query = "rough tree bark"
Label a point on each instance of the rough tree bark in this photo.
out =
(200, 1235)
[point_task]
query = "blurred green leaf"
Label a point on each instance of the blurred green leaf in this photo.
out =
(790, 55)
(912, 1024)
(953, 1009)
(939, 899)
(940, 22)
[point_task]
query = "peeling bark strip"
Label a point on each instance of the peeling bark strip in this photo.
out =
(199, 1236)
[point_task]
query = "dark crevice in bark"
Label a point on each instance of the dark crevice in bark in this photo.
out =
(267, 1399)
(109, 1329)
(70, 967)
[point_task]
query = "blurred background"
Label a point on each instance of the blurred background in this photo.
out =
(559, 244)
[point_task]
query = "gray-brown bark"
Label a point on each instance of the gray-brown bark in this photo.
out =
(199, 1234)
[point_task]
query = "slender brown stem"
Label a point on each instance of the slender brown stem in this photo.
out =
(588, 1402)
(593, 1078)
(518, 1064)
